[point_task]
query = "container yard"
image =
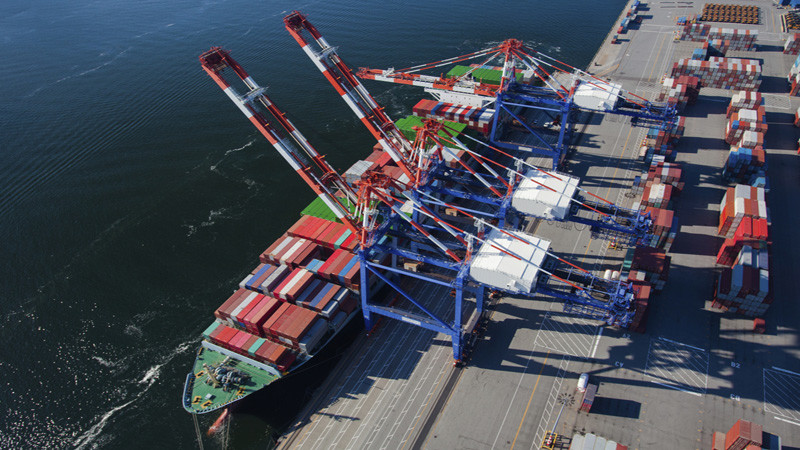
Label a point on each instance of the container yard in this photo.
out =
(635, 247)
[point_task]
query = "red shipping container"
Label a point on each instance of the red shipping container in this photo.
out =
(249, 307)
(332, 234)
(324, 270)
(276, 329)
(302, 321)
(222, 334)
(307, 228)
(216, 332)
(320, 230)
(348, 304)
(742, 434)
(225, 337)
(330, 294)
(265, 352)
(232, 339)
(302, 282)
(237, 341)
(285, 360)
(277, 246)
(351, 243)
(292, 231)
(259, 313)
(223, 312)
(337, 267)
(270, 322)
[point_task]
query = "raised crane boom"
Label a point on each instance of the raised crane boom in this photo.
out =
(318, 174)
(352, 91)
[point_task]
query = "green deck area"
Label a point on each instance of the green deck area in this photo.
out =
(486, 76)
(406, 126)
(197, 390)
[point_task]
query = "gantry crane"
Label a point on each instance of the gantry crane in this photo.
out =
(534, 119)
(397, 216)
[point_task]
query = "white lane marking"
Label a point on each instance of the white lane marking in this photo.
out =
(787, 371)
(787, 421)
(677, 388)
(521, 377)
(551, 402)
(597, 341)
(685, 345)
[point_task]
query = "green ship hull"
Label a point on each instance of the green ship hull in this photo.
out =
(202, 394)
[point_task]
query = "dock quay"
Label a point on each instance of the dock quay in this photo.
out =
(693, 372)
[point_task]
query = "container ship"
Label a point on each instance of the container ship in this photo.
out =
(379, 221)
(296, 300)
(306, 287)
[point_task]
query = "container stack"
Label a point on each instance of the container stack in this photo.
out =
(718, 47)
(329, 234)
(739, 202)
(792, 44)
(656, 195)
(624, 25)
(743, 163)
(739, 39)
(290, 251)
(651, 265)
(745, 120)
(250, 345)
(659, 172)
(745, 100)
(666, 173)
(658, 144)
(641, 300)
(745, 435)
(743, 289)
(680, 91)
(794, 77)
(479, 119)
(664, 230)
(723, 73)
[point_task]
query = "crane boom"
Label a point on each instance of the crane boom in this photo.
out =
(320, 176)
(352, 91)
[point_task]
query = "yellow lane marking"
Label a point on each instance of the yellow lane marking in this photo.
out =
(625, 147)
(529, 400)
(658, 56)
(424, 407)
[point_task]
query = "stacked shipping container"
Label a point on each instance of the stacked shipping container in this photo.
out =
(479, 119)
(739, 39)
(300, 292)
(739, 202)
(792, 44)
(794, 77)
(723, 73)
(743, 285)
(681, 91)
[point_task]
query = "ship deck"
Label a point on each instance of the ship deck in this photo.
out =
(695, 371)
(206, 397)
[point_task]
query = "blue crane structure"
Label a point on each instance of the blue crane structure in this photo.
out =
(422, 236)
(399, 220)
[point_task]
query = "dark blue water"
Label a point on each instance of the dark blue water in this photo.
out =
(134, 195)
